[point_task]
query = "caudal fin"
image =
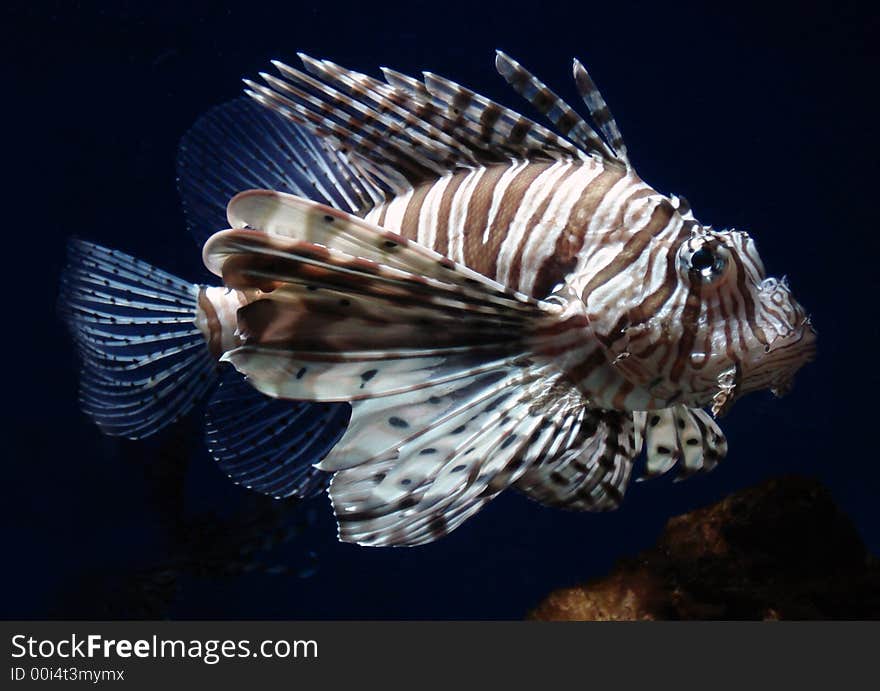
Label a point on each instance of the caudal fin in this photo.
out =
(145, 362)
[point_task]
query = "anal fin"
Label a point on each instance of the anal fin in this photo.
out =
(271, 445)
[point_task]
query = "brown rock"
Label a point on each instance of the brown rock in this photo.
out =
(781, 550)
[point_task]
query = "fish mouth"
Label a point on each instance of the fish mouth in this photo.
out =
(772, 367)
(786, 354)
(807, 353)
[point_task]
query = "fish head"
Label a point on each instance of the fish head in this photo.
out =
(724, 329)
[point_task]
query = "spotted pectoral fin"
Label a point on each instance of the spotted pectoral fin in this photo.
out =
(368, 250)
(269, 445)
(354, 376)
(592, 471)
(250, 259)
(338, 322)
(687, 437)
(413, 467)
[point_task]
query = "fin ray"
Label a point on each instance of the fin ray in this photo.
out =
(145, 362)
(269, 445)
(687, 437)
(599, 111)
(563, 116)
(300, 219)
(240, 145)
(592, 470)
(405, 131)
(457, 452)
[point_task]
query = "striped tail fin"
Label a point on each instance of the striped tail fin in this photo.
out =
(145, 361)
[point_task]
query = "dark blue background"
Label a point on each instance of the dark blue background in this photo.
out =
(763, 116)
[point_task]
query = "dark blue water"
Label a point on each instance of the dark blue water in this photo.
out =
(763, 118)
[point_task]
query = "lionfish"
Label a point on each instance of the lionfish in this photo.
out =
(429, 298)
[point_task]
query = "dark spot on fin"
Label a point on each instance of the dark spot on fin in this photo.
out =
(366, 376)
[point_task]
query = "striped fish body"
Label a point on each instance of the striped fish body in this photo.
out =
(540, 227)
(432, 298)
(524, 224)
(596, 232)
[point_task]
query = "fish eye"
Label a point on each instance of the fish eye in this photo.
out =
(707, 262)
(702, 259)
